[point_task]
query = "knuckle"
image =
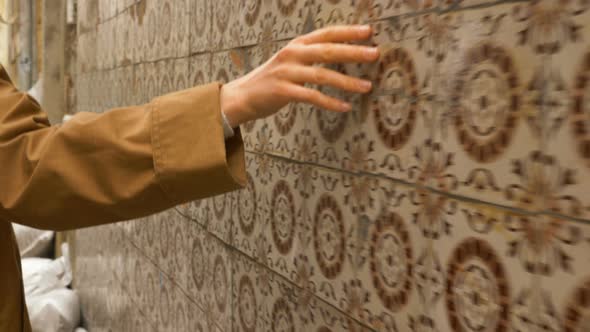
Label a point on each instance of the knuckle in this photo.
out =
(285, 53)
(320, 76)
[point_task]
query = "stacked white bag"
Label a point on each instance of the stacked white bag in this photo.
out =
(52, 306)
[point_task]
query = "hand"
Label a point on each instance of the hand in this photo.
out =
(280, 80)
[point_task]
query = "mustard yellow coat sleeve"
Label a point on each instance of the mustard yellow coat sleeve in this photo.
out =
(102, 168)
(122, 164)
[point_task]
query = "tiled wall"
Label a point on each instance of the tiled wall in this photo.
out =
(451, 199)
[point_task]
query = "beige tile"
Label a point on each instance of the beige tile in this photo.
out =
(200, 37)
(396, 117)
(564, 122)
(487, 102)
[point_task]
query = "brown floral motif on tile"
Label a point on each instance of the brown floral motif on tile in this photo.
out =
(477, 291)
(533, 310)
(164, 304)
(329, 237)
(394, 103)
(198, 263)
(550, 24)
(222, 15)
(283, 217)
(219, 203)
(580, 114)
(282, 317)
(355, 300)
(252, 10)
(284, 120)
(247, 304)
(577, 312)
(202, 16)
(220, 283)
(431, 216)
(247, 204)
(486, 102)
(391, 260)
(332, 124)
(287, 7)
(540, 243)
(429, 275)
(431, 168)
(542, 180)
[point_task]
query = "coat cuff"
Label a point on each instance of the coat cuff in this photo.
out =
(191, 157)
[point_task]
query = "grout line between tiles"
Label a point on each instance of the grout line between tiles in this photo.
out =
(458, 197)
(231, 248)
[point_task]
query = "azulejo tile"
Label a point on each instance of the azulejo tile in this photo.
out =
(488, 104)
(200, 25)
(210, 278)
(566, 111)
(279, 242)
(252, 210)
(395, 118)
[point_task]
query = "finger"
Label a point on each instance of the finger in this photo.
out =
(302, 94)
(337, 34)
(324, 76)
(335, 53)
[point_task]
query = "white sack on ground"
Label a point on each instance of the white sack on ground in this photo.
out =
(55, 311)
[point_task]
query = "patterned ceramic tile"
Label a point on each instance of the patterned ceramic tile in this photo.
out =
(488, 104)
(564, 163)
(267, 302)
(225, 24)
(396, 117)
(200, 25)
(483, 99)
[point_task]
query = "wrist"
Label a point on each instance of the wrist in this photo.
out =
(233, 105)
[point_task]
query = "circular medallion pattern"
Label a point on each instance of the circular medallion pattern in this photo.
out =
(577, 312)
(580, 112)
(219, 206)
(252, 8)
(152, 30)
(486, 102)
(222, 14)
(220, 283)
(282, 317)
(247, 206)
(477, 292)
(391, 261)
(166, 23)
(164, 305)
(395, 105)
(332, 124)
(286, 7)
(284, 119)
(164, 239)
(282, 217)
(247, 305)
(198, 263)
(200, 10)
(329, 238)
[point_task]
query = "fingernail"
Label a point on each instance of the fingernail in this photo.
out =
(365, 85)
(345, 107)
(364, 28)
(371, 52)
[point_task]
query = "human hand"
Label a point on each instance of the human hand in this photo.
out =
(280, 80)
